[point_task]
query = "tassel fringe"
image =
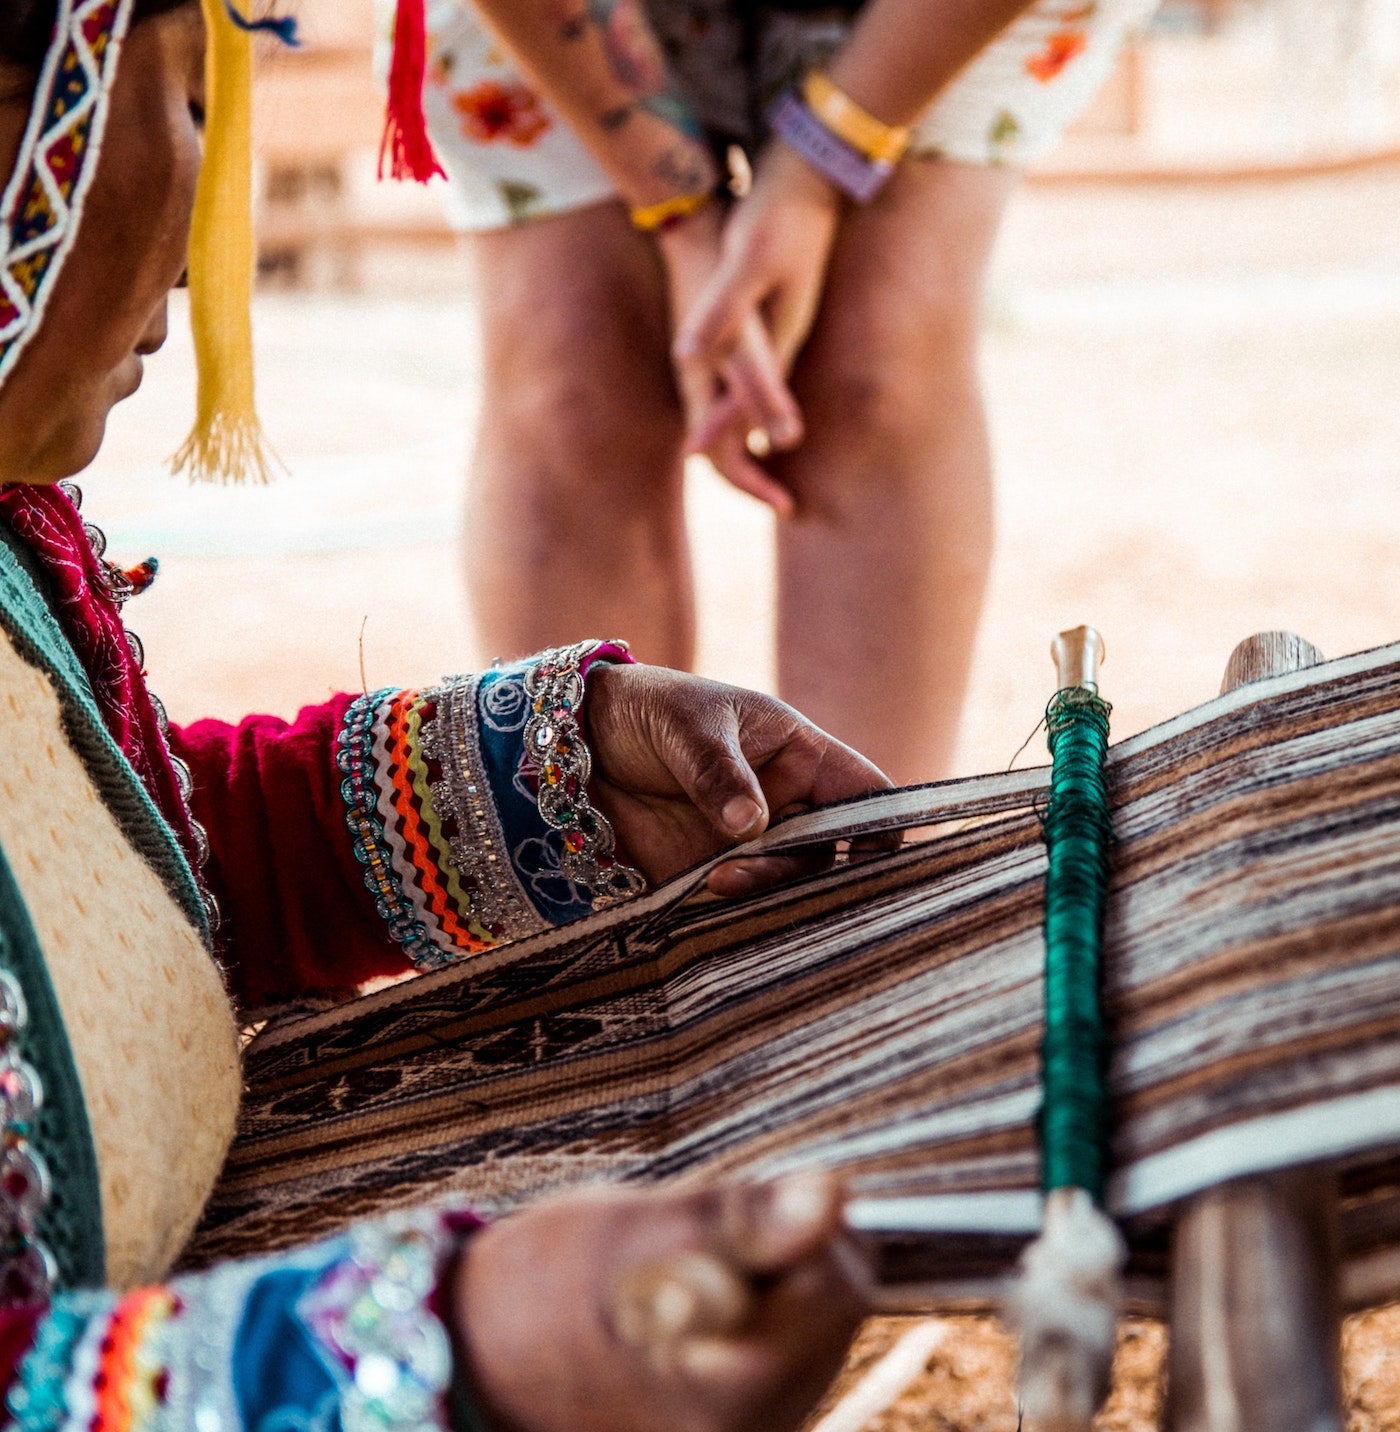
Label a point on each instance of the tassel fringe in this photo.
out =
(230, 448)
(406, 149)
(227, 440)
(1065, 1307)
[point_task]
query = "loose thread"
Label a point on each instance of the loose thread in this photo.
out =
(1035, 730)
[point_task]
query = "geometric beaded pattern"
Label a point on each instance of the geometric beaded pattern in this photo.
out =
(57, 160)
(419, 809)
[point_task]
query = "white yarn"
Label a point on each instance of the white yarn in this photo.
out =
(1065, 1306)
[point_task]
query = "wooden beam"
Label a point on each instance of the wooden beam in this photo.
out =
(1255, 1314)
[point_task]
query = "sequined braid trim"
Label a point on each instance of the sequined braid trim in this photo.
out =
(462, 791)
(27, 1268)
(373, 1313)
(554, 742)
(419, 807)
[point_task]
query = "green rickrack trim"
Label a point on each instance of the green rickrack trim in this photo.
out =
(1078, 832)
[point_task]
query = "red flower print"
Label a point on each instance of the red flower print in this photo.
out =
(1062, 47)
(491, 111)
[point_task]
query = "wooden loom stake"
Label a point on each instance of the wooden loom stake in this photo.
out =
(1255, 1320)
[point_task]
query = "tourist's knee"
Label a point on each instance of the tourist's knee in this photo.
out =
(591, 438)
(895, 385)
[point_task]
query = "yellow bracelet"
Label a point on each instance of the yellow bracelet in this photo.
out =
(651, 217)
(881, 143)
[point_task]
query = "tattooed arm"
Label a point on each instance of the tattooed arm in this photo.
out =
(600, 64)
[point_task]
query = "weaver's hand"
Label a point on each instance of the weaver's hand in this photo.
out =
(775, 250)
(747, 391)
(562, 1332)
(684, 767)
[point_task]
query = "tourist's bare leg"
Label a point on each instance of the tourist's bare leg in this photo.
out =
(575, 525)
(882, 574)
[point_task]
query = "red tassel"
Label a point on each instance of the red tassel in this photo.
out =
(406, 146)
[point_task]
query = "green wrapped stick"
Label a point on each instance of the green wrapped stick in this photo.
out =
(1077, 836)
(1066, 1302)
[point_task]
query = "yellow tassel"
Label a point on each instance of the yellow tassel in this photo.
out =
(227, 443)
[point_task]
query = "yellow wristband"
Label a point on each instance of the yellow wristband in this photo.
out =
(650, 217)
(881, 143)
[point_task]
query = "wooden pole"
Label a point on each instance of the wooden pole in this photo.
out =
(1255, 1313)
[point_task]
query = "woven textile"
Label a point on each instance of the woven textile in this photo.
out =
(57, 160)
(884, 1017)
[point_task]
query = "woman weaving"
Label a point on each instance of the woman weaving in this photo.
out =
(154, 880)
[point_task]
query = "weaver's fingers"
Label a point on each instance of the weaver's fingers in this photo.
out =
(686, 1295)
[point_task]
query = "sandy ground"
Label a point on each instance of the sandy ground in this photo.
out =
(1193, 396)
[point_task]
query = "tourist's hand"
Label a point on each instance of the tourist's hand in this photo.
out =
(775, 249)
(684, 767)
(553, 1316)
(748, 391)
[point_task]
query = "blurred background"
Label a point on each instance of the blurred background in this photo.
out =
(1193, 363)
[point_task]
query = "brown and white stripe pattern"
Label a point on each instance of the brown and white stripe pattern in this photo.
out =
(884, 1017)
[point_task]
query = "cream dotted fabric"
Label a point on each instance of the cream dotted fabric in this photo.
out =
(152, 1030)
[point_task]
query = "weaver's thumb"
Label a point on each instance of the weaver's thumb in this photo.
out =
(723, 786)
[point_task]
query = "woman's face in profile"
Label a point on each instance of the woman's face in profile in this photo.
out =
(108, 307)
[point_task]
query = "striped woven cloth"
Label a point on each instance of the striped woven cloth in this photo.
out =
(884, 1017)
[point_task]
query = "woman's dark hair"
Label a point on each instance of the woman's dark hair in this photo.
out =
(26, 26)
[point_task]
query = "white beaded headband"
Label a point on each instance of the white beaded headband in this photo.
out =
(43, 201)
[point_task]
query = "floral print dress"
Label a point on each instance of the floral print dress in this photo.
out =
(512, 158)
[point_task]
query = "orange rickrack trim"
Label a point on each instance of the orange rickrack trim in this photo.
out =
(400, 775)
(115, 1384)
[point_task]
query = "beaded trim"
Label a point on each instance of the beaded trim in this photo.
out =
(554, 741)
(121, 588)
(373, 1313)
(57, 161)
(27, 1268)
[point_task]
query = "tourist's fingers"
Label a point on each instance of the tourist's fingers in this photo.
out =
(765, 1228)
(713, 326)
(757, 377)
(734, 463)
(687, 1295)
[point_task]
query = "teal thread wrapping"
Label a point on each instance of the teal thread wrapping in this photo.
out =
(1078, 832)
